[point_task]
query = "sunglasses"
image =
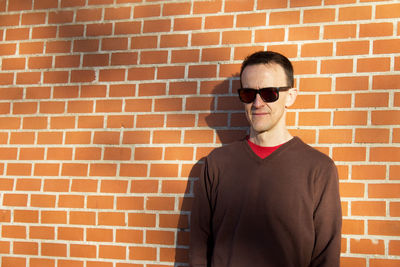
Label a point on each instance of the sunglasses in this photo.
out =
(268, 94)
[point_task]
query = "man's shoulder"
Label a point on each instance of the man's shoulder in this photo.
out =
(307, 152)
(226, 150)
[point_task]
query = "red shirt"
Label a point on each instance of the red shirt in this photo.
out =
(262, 151)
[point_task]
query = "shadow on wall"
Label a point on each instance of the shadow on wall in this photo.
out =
(227, 119)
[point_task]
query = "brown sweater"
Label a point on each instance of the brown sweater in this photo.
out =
(280, 211)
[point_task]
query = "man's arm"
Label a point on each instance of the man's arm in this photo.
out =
(327, 220)
(201, 216)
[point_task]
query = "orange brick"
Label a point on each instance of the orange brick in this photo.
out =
(315, 84)
(385, 81)
(62, 122)
(142, 219)
(112, 252)
(198, 136)
(317, 50)
(394, 209)
(305, 67)
(384, 190)
(335, 136)
(350, 118)
(56, 185)
(117, 153)
(355, 13)
(218, 22)
(144, 186)
(250, 20)
(26, 216)
(367, 246)
(87, 153)
(163, 170)
(201, 7)
(74, 169)
(372, 136)
(387, 228)
(50, 138)
(366, 172)
(82, 251)
(19, 169)
(25, 248)
(174, 186)
(133, 170)
(170, 9)
(99, 235)
(284, 18)
(373, 64)
(143, 11)
(53, 217)
(337, 66)
(102, 169)
(41, 232)
(28, 184)
(385, 117)
(319, 15)
(160, 25)
(71, 201)
(368, 208)
(130, 203)
(234, 6)
(335, 101)
(340, 31)
(19, 200)
(43, 201)
(160, 237)
(303, 33)
(376, 29)
(129, 236)
(353, 227)
(148, 153)
(386, 46)
(70, 233)
(59, 153)
(173, 221)
(236, 37)
(100, 202)
(314, 118)
(171, 254)
(53, 249)
(160, 203)
(178, 153)
(202, 39)
(372, 100)
(82, 217)
(387, 11)
(111, 218)
(384, 262)
(142, 253)
(149, 121)
(180, 120)
(349, 153)
(394, 247)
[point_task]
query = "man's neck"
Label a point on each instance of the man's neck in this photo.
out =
(269, 138)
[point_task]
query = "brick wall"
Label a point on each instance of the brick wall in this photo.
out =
(108, 106)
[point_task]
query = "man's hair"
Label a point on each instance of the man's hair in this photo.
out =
(269, 57)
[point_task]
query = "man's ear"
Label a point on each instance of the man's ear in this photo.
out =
(291, 97)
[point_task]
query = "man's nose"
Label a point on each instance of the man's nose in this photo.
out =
(258, 102)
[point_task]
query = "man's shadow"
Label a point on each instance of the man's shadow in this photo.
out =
(226, 117)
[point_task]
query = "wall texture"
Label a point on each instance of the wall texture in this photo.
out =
(108, 106)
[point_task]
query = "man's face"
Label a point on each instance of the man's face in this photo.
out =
(261, 115)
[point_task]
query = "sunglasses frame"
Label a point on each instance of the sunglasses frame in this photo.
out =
(258, 91)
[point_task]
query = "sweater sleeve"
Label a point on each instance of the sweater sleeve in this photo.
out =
(327, 220)
(201, 216)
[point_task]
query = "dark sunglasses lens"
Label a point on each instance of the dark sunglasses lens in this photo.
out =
(247, 95)
(269, 94)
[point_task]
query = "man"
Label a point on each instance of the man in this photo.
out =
(270, 199)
